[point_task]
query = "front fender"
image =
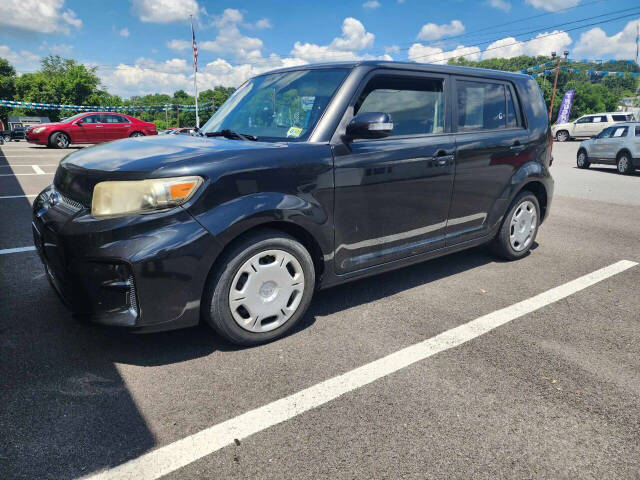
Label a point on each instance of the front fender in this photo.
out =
(229, 220)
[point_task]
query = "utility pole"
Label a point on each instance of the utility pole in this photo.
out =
(555, 82)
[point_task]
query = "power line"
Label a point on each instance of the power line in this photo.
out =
(523, 41)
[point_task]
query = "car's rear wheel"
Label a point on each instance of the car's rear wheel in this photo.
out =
(60, 140)
(7, 138)
(582, 159)
(260, 288)
(137, 134)
(562, 136)
(519, 228)
(624, 164)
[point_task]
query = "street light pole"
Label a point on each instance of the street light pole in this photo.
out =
(555, 82)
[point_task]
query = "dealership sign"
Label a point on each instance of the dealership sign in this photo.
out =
(565, 106)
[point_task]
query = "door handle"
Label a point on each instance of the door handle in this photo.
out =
(98, 126)
(443, 160)
(517, 147)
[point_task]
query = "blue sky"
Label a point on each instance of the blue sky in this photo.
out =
(143, 46)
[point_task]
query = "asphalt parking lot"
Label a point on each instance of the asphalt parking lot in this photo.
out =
(550, 390)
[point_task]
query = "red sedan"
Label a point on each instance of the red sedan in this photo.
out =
(89, 127)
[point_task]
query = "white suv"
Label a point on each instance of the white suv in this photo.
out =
(588, 126)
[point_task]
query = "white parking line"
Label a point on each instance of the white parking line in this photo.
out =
(37, 169)
(24, 174)
(4, 197)
(173, 456)
(16, 250)
(30, 165)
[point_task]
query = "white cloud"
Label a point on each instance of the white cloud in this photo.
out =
(164, 11)
(124, 32)
(178, 45)
(427, 54)
(543, 44)
(503, 5)
(263, 23)
(621, 45)
(23, 61)
(346, 47)
(39, 16)
(432, 31)
(230, 40)
(553, 5)
(371, 4)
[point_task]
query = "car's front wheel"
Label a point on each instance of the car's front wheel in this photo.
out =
(582, 159)
(137, 134)
(624, 164)
(60, 140)
(260, 289)
(519, 228)
(562, 136)
(7, 138)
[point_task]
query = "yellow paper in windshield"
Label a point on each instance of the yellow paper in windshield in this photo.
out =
(294, 132)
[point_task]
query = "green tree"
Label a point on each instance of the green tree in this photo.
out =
(7, 87)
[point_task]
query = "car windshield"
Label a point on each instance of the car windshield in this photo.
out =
(278, 106)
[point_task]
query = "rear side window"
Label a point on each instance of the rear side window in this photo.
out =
(619, 132)
(620, 118)
(637, 131)
(122, 119)
(512, 118)
(416, 105)
(485, 106)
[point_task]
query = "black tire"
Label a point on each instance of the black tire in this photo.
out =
(136, 134)
(562, 136)
(501, 244)
(7, 138)
(60, 140)
(624, 164)
(215, 306)
(582, 159)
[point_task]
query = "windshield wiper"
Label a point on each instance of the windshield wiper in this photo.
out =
(226, 133)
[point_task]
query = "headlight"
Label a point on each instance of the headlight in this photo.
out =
(127, 197)
(38, 129)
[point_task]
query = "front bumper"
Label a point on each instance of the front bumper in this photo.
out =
(145, 272)
(38, 138)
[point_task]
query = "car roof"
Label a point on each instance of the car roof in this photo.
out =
(409, 66)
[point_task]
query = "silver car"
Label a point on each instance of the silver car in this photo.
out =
(617, 145)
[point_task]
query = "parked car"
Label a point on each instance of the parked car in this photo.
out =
(618, 145)
(89, 127)
(14, 135)
(308, 177)
(184, 131)
(166, 132)
(588, 125)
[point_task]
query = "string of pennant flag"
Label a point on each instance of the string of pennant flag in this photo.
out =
(552, 63)
(103, 108)
(594, 73)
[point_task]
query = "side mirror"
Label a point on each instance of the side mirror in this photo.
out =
(370, 125)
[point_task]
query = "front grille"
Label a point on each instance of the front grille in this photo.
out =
(68, 202)
(133, 300)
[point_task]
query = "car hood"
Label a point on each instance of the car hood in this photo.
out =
(50, 124)
(561, 125)
(152, 157)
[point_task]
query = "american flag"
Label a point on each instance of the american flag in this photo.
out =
(195, 48)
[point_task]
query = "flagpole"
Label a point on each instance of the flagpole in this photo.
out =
(195, 73)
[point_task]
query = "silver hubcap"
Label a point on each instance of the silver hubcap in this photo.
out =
(266, 291)
(562, 136)
(136, 135)
(523, 226)
(62, 141)
(623, 164)
(581, 159)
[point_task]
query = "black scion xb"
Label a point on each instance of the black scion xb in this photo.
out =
(305, 178)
